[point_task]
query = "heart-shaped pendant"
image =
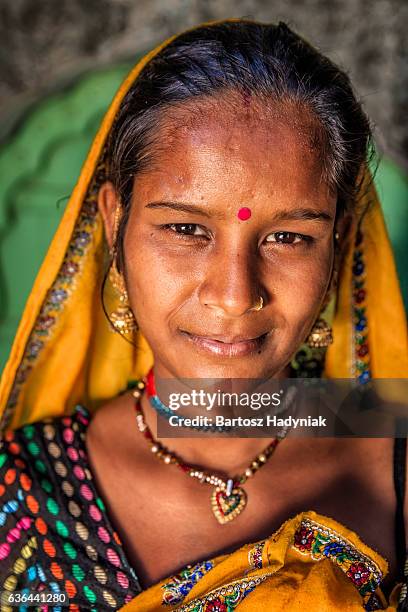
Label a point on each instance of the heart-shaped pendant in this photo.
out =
(227, 507)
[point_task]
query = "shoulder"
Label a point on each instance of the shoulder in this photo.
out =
(53, 525)
(28, 445)
(20, 452)
(111, 420)
(32, 457)
(21, 465)
(34, 460)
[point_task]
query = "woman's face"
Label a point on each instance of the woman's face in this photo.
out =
(194, 269)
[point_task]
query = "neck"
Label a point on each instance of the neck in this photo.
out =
(221, 454)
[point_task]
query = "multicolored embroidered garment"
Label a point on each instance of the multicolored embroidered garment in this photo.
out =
(56, 536)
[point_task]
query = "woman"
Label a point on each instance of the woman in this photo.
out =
(226, 210)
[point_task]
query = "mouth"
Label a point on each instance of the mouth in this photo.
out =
(227, 346)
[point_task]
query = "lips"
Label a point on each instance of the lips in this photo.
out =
(227, 346)
(232, 339)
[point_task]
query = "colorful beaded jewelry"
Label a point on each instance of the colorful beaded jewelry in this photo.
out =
(360, 325)
(228, 498)
(167, 412)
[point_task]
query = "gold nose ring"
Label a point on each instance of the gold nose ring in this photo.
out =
(259, 304)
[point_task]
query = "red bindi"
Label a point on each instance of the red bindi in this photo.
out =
(244, 213)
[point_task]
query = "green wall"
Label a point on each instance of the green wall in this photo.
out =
(39, 165)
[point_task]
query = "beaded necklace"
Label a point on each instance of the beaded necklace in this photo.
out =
(168, 413)
(228, 498)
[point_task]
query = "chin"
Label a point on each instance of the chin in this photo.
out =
(232, 368)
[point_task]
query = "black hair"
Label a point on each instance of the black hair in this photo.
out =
(264, 60)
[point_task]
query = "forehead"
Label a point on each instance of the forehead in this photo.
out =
(237, 145)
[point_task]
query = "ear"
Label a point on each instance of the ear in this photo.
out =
(108, 201)
(343, 227)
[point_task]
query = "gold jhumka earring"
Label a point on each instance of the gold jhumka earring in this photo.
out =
(321, 334)
(122, 317)
(309, 360)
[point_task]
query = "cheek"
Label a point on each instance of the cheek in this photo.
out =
(159, 280)
(300, 289)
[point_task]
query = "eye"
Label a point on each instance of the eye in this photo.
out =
(185, 229)
(288, 238)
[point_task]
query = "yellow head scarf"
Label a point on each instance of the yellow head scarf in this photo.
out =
(64, 351)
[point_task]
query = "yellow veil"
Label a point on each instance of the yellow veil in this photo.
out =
(64, 351)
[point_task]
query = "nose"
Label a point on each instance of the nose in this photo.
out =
(231, 285)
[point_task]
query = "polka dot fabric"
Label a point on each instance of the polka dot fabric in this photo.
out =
(55, 534)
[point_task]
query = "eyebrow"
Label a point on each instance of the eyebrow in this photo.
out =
(188, 208)
(298, 214)
(303, 214)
